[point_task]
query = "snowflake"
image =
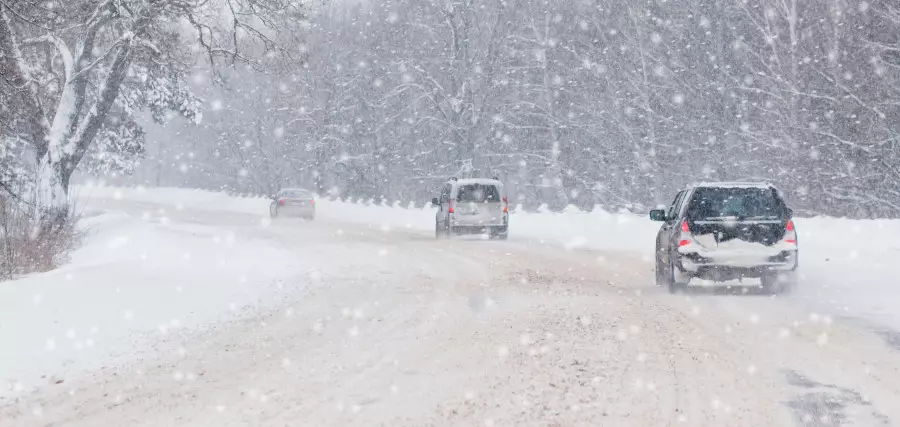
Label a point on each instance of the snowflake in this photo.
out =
(502, 351)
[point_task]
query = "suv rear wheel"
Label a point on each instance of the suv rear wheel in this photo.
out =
(676, 280)
(441, 231)
(499, 233)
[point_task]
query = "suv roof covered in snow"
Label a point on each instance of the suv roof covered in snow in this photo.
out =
(726, 184)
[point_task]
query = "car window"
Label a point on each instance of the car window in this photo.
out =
(445, 192)
(738, 203)
(675, 208)
(295, 194)
(478, 193)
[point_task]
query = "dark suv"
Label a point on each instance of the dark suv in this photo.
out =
(726, 231)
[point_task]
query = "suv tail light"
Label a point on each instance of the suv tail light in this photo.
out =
(790, 235)
(450, 206)
(281, 202)
(312, 201)
(505, 205)
(685, 234)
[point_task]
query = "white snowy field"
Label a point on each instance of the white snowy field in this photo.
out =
(137, 275)
(197, 302)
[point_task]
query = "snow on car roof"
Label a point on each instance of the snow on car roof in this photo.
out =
(759, 184)
(483, 181)
(295, 190)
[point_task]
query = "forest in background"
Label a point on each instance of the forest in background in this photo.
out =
(615, 102)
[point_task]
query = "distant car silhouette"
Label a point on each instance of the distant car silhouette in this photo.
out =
(293, 202)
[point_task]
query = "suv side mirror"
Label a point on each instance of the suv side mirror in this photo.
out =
(658, 215)
(435, 202)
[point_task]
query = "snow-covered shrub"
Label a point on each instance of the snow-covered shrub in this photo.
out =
(26, 245)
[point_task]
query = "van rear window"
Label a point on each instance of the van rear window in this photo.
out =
(478, 193)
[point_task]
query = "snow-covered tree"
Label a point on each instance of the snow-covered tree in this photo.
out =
(78, 71)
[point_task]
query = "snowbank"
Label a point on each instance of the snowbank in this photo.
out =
(133, 277)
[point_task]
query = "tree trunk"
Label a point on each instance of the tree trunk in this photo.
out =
(559, 198)
(51, 191)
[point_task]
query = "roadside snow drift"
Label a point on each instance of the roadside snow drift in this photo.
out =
(133, 277)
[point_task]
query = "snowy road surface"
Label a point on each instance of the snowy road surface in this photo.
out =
(204, 317)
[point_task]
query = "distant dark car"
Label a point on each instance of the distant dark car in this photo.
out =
(726, 231)
(293, 202)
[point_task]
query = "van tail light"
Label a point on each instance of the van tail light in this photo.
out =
(685, 234)
(450, 206)
(790, 235)
(281, 202)
(505, 205)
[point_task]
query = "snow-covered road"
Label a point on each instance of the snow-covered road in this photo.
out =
(202, 316)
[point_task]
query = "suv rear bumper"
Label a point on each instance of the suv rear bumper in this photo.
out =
(723, 268)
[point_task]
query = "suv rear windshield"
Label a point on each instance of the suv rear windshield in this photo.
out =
(738, 203)
(478, 193)
(295, 194)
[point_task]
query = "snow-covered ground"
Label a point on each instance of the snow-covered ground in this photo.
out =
(137, 272)
(848, 267)
(198, 303)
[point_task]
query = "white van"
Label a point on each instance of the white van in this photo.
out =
(472, 206)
